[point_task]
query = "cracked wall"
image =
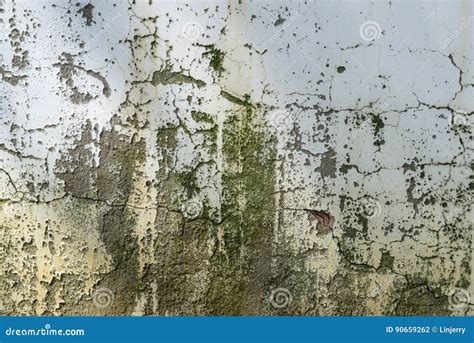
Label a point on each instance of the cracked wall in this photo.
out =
(236, 158)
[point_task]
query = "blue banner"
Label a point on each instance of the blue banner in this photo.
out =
(236, 329)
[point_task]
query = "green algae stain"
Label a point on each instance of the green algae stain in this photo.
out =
(248, 180)
(378, 123)
(216, 58)
(237, 273)
(167, 77)
(199, 116)
(180, 271)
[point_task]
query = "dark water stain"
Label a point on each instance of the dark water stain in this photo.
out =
(87, 13)
(110, 184)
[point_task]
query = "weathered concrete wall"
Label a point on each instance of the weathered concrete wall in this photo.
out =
(235, 157)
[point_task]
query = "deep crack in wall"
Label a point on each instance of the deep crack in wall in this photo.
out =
(236, 158)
